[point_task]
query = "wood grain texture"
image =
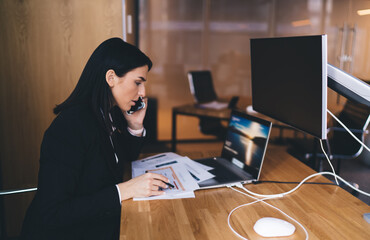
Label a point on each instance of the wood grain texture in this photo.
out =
(327, 211)
(44, 46)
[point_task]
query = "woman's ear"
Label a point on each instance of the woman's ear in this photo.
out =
(109, 77)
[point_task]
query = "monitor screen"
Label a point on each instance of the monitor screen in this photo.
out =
(289, 81)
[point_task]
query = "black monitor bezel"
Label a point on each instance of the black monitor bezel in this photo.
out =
(320, 130)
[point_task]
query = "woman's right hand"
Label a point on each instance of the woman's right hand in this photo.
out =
(146, 185)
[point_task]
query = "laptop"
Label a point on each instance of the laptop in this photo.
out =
(242, 154)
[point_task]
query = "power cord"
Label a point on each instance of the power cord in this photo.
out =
(280, 195)
(331, 165)
(300, 184)
(349, 131)
(282, 182)
(256, 201)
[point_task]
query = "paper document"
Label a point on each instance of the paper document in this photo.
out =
(198, 171)
(156, 159)
(182, 172)
(179, 177)
(183, 182)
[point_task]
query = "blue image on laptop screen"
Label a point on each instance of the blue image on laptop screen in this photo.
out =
(245, 143)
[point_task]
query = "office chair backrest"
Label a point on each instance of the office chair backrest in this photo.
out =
(354, 116)
(201, 86)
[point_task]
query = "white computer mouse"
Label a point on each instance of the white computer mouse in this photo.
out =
(273, 227)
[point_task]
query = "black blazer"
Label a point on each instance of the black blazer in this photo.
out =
(77, 197)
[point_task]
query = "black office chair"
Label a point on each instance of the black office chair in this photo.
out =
(339, 145)
(202, 89)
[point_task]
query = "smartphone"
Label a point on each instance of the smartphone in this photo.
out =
(139, 104)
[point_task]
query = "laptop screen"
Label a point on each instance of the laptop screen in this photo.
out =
(246, 142)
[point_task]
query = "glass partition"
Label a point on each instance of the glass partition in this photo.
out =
(184, 35)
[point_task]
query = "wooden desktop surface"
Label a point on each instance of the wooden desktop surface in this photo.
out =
(192, 110)
(326, 211)
(224, 114)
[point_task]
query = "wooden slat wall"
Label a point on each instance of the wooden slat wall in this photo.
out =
(44, 46)
(131, 11)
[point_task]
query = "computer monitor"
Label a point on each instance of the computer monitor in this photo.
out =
(289, 81)
(348, 86)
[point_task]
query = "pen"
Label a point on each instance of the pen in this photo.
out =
(164, 164)
(169, 184)
(195, 177)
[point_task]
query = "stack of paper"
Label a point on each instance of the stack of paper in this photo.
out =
(183, 173)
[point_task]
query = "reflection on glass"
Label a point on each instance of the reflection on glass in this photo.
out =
(184, 35)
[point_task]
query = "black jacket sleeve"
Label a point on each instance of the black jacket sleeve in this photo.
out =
(75, 185)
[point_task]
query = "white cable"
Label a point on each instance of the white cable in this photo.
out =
(344, 181)
(259, 200)
(300, 184)
(239, 185)
(349, 131)
(331, 165)
(228, 218)
(304, 229)
(273, 196)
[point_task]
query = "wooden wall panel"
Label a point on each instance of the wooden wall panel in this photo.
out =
(44, 46)
(131, 25)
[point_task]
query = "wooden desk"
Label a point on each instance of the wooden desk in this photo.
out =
(192, 110)
(326, 211)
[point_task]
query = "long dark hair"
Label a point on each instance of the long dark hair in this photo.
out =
(92, 88)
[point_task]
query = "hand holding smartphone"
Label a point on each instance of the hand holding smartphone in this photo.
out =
(139, 104)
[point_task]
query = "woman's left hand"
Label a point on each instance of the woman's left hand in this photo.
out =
(136, 119)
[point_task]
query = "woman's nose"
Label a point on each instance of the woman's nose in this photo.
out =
(142, 90)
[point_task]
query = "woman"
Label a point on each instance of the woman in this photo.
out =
(80, 186)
